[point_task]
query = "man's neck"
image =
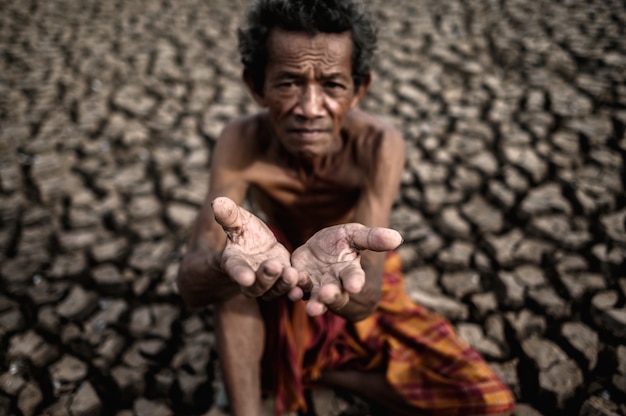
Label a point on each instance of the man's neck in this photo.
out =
(307, 168)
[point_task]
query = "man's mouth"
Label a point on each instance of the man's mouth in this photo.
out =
(307, 133)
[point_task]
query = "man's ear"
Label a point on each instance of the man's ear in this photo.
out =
(253, 88)
(361, 90)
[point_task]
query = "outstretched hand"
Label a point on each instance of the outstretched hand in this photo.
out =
(329, 263)
(253, 257)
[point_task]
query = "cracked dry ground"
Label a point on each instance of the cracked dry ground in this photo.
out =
(512, 203)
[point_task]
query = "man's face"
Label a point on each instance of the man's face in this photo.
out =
(308, 89)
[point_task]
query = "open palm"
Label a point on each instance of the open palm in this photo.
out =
(252, 255)
(329, 263)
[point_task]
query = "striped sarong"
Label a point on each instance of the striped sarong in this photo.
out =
(417, 350)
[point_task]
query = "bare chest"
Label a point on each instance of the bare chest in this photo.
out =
(300, 204)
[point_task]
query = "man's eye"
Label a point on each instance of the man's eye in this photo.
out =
(334, 87)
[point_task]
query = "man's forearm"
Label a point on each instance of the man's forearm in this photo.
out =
(363, 304)
(201, 280)
(358, 308)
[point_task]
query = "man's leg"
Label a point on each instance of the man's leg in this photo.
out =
(372, 387)
(240, 337)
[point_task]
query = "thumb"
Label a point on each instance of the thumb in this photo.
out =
(226, 212)
(375, 239)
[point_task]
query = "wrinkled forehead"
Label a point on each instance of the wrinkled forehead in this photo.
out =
(293, 48)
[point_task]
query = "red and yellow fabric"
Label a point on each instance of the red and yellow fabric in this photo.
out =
(418, 350)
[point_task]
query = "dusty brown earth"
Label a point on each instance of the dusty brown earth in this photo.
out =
(512, 205)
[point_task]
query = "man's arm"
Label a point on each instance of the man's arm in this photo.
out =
(373, 210)
(230, 250)
(201, 279)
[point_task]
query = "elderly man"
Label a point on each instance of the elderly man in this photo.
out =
(312, 294)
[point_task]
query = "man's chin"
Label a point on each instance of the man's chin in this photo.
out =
(308, 155)
(309, 151)
(309, 148)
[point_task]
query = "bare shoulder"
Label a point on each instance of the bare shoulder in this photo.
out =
(239, 143)
(375, 138)
(242, 130)
(365, 118)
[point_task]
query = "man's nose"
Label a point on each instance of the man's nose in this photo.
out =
(311, 102)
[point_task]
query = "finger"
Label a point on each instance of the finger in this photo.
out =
(266, 275)
(333, 297)
(226, 213)
(305, 282)
(286, 281)
(295, 294)
(375, 239)
(352, 278)
(314, 307)
(302, 290)
(239, 270)
(290, 276)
